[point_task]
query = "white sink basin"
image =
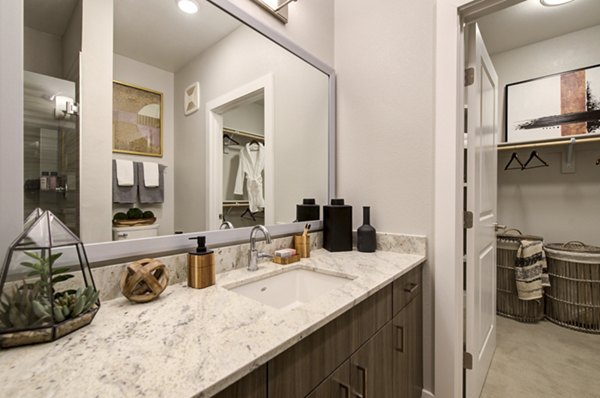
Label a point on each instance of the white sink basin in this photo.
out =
(291, 288)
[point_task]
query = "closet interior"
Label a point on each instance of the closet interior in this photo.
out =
(548, 183)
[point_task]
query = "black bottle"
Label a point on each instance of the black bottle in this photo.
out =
(365, 235)
(308, 211)
(337, 226)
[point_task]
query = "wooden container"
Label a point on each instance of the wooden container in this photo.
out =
(508, 303)
(573, 298)
(133, 223)
(286, 260)
(201, 270)
(302, 245)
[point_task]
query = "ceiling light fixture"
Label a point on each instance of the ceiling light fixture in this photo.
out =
(188, 6)
(552, 3)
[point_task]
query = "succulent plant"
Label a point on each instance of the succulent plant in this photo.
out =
(134, 213)
(29, 304)
(120, 216)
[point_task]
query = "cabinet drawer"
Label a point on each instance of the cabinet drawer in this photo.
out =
(406, 288)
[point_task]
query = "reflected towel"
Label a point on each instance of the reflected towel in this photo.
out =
(531, 272)
(147, 194)
(151, 179)
(124, 173)
(123, 194)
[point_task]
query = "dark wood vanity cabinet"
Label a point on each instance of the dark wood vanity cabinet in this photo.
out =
(253, 385)
(373, 350)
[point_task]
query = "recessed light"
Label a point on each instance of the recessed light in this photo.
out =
(188, 6)
(552, 3)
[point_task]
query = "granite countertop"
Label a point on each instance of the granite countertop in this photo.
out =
(190, 342)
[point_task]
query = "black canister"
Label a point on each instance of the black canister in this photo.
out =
(308, 211)
(337, 226)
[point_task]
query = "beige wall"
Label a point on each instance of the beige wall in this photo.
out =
(559, 207)
(96, 121)
(310, 24)
(384, 62)
(133, 72)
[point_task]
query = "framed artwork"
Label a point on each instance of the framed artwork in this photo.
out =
(558, 106)
(137, 120)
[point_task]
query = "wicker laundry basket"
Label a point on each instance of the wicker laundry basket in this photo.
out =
(573, 298)
(508, 303)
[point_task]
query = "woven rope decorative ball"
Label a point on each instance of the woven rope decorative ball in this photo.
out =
(144, 280)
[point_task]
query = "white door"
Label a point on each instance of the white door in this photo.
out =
(482, 133)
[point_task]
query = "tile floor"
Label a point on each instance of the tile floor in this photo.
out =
(543, 360)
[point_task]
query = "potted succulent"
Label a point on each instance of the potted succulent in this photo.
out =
(134, 216)
(40, 300)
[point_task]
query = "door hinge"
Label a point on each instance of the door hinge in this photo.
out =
(467, 220)
(469, 76)
(467, 360)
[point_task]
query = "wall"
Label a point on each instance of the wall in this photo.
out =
(96, 121)
(559, 54)
(299, 90)
(310, 24)
(11, 122)
(527, 198)
(42, 53)
(384, 63)
(133, 72)
(545, 202)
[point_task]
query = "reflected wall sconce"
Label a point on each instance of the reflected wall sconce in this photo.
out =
(278, 8)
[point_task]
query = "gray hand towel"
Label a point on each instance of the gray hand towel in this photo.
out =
(151, 195)
(124, 194)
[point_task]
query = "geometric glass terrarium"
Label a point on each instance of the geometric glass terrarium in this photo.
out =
(46, 285)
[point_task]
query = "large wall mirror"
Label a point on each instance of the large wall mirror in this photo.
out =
(215, 118)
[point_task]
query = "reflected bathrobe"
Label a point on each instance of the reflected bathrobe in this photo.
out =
(252, 164)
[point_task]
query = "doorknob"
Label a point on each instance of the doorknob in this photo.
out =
(499, 227)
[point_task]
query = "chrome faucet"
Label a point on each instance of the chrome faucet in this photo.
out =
(254, 254)
(226, 225)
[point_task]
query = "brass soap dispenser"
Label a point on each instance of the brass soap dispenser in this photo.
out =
(201, 265)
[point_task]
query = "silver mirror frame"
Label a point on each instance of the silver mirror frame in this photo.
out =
(115, 251)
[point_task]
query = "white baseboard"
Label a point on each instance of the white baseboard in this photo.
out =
(427, 394)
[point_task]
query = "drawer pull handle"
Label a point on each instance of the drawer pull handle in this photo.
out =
(411, 287)
(399, 338)
(344, 388)
(364, 378)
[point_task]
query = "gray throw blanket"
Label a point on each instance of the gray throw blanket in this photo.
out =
(531, 272)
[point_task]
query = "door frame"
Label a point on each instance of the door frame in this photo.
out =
(214, 144)
(448, 182)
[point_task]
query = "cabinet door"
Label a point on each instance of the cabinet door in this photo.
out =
(301, 368)
(335, 386)
(407, 351)
(370, 316)
(371, 367)
(253, 385)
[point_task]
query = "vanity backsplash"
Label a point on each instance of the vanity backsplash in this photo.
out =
(228, 258)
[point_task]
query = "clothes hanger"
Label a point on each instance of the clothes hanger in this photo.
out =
(254, 142)
(534, 155)
(514, 157)
(230, 139)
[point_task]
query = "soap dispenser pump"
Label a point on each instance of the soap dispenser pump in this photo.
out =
(201, 265)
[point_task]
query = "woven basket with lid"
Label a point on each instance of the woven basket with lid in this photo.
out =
(573, 298)
(508, 303)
